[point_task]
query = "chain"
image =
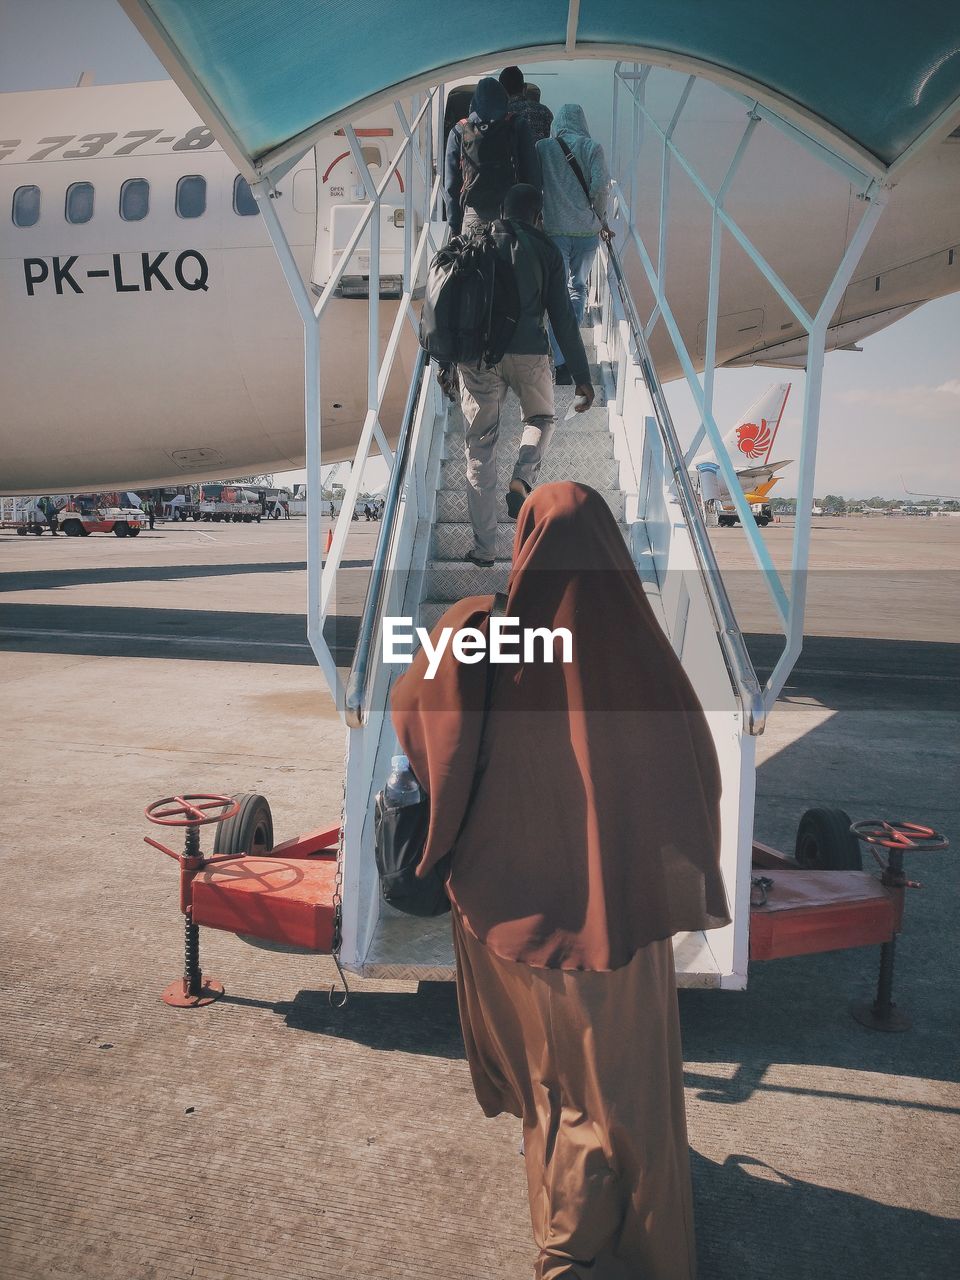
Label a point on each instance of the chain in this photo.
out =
(338, 905)
(760, 887)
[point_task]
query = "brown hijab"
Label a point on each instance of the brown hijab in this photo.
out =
(586, 823)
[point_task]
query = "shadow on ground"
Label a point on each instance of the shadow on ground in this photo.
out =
(851, 673)
(193, 634)
(755, 1223)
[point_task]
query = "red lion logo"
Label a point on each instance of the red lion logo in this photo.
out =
(752, 440)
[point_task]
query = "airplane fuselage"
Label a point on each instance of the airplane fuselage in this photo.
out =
(149, 335)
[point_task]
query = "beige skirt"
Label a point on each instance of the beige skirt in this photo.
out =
(591, 1063)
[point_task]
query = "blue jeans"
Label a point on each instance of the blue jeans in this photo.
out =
(578, 254)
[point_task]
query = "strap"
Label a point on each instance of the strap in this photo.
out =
(571, 160)
(535, 258)
(499, 607)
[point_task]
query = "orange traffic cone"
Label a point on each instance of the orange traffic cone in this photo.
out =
(329, 542)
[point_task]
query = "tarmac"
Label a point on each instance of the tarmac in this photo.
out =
(274, 1136)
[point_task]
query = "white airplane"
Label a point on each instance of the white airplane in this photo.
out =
(753, 436)
(149, 336)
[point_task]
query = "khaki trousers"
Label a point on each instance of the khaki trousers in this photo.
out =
(482, 394)
(592, 1063)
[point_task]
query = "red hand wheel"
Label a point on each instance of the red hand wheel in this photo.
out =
(900, 835)
(192, 810)
(897, 837)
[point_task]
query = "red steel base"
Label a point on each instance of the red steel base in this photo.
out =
(178, 996)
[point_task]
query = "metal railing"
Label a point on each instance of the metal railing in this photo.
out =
(630, 90)
(418, 151)
(355, 699)
(743, 677)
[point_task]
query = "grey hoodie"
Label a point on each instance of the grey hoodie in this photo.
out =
(565, 208)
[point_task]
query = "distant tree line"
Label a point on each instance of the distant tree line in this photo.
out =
(836, 504)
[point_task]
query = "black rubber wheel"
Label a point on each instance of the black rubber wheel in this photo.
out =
(73, 528)
(250, 830)
(133, 530)
(826, 843)
(120, 528)
(37, 529)
(22, 531)
(762, 521)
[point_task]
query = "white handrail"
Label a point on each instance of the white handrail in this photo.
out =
(743, 677)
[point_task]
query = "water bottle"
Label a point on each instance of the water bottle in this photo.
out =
(401, 788)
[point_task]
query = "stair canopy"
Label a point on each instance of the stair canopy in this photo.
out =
(871, 81)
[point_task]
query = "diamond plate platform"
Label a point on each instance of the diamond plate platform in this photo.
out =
(406, 948)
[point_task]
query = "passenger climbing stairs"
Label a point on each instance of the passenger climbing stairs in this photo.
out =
(581, 448)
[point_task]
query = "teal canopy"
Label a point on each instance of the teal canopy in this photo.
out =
(869, 77)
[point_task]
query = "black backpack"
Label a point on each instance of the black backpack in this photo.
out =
(488, 162)
(471, 304)
(400, 836)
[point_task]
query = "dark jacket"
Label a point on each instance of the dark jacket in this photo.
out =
(489, 103)
(542, 284)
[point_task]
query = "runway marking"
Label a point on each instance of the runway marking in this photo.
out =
(870, 675)
(226, 642)
(160, 639)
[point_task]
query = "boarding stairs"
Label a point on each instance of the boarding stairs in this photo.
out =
(615, 448)
(626, 447)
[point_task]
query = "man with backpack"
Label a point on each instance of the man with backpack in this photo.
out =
(575, 185)
(535, 283)
(487, 153)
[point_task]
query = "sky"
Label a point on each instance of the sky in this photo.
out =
(890, 411)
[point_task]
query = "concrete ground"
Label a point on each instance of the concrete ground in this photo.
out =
(273, 1136)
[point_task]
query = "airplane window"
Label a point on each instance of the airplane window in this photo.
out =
(26, 206)
(79, 203)
(191, 196)
(244, 201)
(134, 199)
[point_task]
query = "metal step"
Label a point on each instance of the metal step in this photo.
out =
(454, 579)
(577, 458)
(453, 541)
(594, 419)
(452, 503)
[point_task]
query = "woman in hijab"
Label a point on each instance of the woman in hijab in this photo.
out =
(580, 801)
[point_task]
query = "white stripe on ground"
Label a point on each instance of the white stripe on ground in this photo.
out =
(295, 644)
(164, 639)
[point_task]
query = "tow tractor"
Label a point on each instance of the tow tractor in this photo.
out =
(101, 513)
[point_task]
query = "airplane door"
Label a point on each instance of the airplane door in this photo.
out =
(341, 202)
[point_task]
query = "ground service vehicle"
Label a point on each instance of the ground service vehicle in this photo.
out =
(222, 502)
(101, 513)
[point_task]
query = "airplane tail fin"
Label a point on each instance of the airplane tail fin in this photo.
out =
(752, 439)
